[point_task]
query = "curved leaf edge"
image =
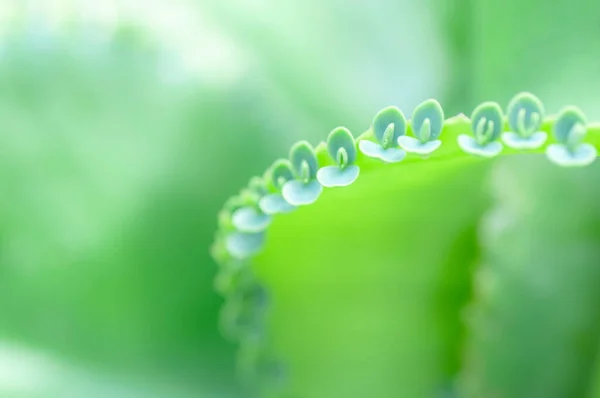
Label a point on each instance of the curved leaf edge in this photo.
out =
(242, 319)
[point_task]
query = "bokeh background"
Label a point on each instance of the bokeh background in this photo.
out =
(125, 124)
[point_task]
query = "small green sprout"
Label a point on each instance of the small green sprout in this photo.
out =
(342, 148)
(305, 189)
(570, 130)
(279, 174)
(427, 124)
(487, 123)
(525, 114)
(388, 125)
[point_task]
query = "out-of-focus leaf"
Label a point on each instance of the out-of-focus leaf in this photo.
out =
(108, 206)
(534, 326)
(31, 374)
(497, 48)
(518, 45)
(331, 62)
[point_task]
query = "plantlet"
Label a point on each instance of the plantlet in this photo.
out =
(487, 123)
(305, 189)
(388, 126)
(342, 149)
(402, 280)
(525, 115)
(273, 202)
(570, 130)
(427, 123)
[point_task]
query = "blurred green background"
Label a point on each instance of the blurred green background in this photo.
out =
(124, 126)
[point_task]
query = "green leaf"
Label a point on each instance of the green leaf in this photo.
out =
(369, 283)
(358, 287)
